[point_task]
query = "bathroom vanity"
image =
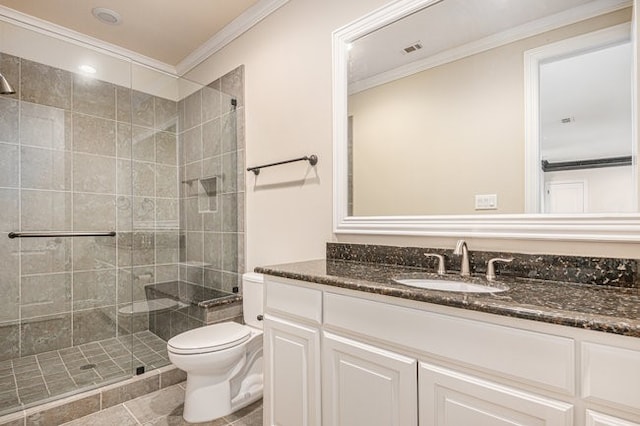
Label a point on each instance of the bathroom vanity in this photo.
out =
(346, 345)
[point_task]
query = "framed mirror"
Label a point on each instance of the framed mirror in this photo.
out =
(501, 118)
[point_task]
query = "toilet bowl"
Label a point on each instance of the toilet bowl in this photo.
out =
(223, 361)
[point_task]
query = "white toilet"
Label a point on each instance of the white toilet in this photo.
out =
(223, 361)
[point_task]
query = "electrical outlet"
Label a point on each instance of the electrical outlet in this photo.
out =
(487, 202)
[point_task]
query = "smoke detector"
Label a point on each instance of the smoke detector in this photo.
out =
(107, 16)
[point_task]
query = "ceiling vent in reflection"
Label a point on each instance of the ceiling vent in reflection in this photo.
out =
(412, 47)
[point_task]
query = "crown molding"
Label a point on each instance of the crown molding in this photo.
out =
(230, 32)
(62, 33)
(529, 29)
(233, 30)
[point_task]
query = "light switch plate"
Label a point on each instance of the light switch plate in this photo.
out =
(487, 202)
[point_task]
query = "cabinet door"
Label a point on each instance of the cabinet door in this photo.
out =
(365, 385)
(291, 373)
(449, 398)
(598, 419)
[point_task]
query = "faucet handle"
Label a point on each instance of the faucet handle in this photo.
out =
(441, 269)
(491, 269)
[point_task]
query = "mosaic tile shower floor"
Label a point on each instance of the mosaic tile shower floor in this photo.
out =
(29, 380)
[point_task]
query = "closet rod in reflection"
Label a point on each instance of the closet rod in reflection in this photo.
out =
(312, 159)
(60, 234)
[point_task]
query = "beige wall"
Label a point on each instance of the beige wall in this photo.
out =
(428, 143)
(287, 60)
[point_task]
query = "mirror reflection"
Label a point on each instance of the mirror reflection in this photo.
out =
(494, 107)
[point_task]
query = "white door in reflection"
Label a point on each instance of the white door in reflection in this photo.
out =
(586, 129)
(565, 197)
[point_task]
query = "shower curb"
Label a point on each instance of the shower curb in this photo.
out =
(94, 400)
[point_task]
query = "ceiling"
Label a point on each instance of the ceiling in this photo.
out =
(451, 24)
(164, 30)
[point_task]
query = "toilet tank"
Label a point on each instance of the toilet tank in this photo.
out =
(252, 284)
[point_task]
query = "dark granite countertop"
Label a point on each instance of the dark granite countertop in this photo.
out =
(592, 307)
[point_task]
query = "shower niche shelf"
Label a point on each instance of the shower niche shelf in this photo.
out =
(208, 194)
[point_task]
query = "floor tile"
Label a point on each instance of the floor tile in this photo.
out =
(117, 415)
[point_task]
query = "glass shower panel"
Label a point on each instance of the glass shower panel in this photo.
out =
(64, 171)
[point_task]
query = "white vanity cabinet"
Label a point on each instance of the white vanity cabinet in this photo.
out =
(338, 357)
(451, 398)
(292, 355)
(366, 385)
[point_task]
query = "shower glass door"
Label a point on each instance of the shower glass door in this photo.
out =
(66, 321)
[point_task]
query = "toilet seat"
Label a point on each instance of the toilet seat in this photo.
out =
(211, 338)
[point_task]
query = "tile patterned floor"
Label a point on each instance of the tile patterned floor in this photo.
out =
(164, 407)
(31, 379)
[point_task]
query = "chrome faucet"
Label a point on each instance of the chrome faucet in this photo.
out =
(461, 249)
(491, 269)
(441, 268)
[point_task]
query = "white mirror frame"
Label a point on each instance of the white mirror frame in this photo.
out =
(586, 227)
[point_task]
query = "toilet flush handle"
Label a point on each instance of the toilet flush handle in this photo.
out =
(259, 317)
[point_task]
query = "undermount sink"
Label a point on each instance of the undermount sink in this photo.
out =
(449, 285)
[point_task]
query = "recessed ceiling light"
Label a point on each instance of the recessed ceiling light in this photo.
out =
(87, 69)
(107, 16)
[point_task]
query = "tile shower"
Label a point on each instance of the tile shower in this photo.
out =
(82, 155)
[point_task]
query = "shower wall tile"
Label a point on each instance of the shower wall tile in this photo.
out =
(166, 181)
(194, 247)
(165, 273)
(45, 210)
(166, 114)
(166, 148)
(9, 279)
(167, 211)
(229, 172)
(230, 252)
(94, 324)
(123, 104)
(45, 294)
(93, 212)
(229, 131)
(94, 135)
(124, 213)
(45, 255)
(211, 102)
(45, 85)
(142, 112)
(212, 138)
(167, 248)
(232, 84)
(192, 141)
(143, 248)
(213, 250)
(144, 209)
(45, 126)
(45, 169)
(92, 173)
(45, 334)
(123, 171)
(94, 253)
(229, 212)
(212, 221)
(8, 165)
(143, 144)
(123, 140)
(10, 338)
(8, 120)
(144, 179)
(193, 216)
(94, 289)
(94, 97)
(193, 110)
